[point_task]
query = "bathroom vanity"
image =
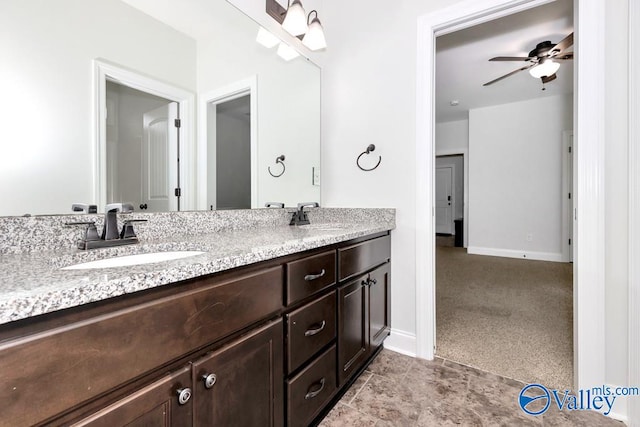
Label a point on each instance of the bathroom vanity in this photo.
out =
(265, 332)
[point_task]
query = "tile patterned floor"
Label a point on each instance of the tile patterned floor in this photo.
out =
(398, 390)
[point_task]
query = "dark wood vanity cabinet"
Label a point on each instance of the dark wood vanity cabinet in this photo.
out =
(164, 403)
(241, 384)
(364, 306)
(269, 344)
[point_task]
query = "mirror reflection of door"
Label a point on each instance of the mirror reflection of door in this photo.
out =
(444, 208)
(229, 154)
(142, 164)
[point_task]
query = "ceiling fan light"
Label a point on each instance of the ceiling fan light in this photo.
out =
(286, 52)
(295, 21)
(266, 39)
(314, 39)
(545, 68)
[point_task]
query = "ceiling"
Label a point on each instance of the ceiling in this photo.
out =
(462, 60)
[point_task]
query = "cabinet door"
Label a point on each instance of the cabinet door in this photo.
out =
(166, 402)
(353, 331)
(241, 384)
(379, 305)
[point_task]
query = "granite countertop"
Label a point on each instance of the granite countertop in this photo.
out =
(34, 284)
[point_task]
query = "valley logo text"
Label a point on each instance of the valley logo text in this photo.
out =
(535, 399)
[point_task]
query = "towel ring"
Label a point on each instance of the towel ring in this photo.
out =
(369, 149)
(279, 159)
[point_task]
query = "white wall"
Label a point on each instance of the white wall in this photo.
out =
(288, 103)
(47, 49)
(515, 177)
(368, 96)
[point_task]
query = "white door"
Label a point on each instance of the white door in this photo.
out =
(570, 201)
(160, 159)
(444, 207)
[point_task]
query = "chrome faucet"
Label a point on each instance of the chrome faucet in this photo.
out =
(110, 235)
(300, 216)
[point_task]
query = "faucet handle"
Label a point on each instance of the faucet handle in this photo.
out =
(90, 232)
(127, 229)
(308, 204)
(274, 205)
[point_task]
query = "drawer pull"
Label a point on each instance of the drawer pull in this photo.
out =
(184, 394)
(310, 277)
(312, 394)
(312, 332)
(209, 380)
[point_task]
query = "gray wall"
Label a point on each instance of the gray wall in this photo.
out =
(233, 159)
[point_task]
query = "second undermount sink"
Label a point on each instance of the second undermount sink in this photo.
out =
(124, 261)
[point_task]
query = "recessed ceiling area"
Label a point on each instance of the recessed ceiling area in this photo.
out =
(462, 61)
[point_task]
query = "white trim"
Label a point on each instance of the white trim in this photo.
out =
(567, 224)
(465, 177)
(634, 211)
(105, 70)
(401, 342)
(510, 253)
(589, 340)
(620, 407)
(248, 86)
(589, 162)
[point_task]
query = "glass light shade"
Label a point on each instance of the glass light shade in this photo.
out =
(546, 68)
(314, 39)
(266, 39)
(295, 21)
(286, 52)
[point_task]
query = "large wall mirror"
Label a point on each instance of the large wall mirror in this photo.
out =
(129, 100)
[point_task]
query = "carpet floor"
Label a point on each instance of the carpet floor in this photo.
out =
(507, 316)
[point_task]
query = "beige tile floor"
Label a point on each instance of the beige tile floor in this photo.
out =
(398, 390)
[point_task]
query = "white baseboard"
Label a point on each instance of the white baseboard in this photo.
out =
(401, 342)
(510, 253)
(619, 410)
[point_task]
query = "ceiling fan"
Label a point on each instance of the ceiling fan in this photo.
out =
(541, 61)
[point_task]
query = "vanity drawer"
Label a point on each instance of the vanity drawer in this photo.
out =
(310, 390)
(359, 258)
(310, 328)
(46, 373)
(310, 275)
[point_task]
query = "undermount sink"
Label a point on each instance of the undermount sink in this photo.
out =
(124, 261)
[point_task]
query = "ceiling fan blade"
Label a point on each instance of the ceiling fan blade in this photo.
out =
(562, 46)
(511, 58)
(547, 79)
(564, 56)
(526, 67)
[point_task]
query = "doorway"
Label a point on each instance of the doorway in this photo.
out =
(589, 338)
(142, 149)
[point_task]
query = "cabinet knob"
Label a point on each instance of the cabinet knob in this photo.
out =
(209, 380)
(372, 282)
(184, 394)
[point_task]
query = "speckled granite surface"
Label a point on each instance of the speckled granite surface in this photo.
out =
(33, 283)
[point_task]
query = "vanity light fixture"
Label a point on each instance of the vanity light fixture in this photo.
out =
(286, 52)
(295, 22)
(266, 39)
(314, 38)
